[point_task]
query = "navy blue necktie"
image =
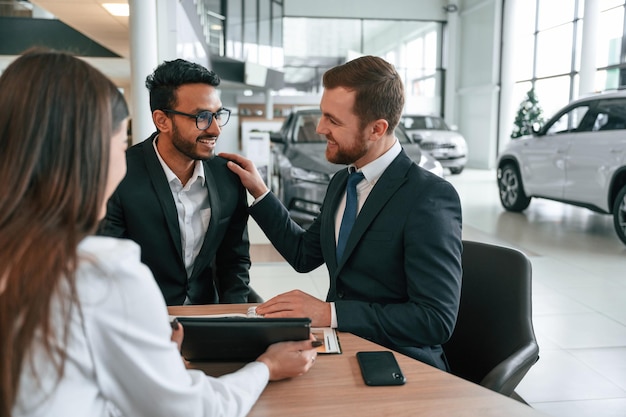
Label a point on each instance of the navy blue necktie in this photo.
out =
(349, 214)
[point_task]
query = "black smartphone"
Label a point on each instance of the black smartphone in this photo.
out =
(380, 368)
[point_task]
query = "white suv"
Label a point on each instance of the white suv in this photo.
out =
(578, 157)
(433, 135)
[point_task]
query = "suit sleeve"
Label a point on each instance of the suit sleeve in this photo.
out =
(301, 248)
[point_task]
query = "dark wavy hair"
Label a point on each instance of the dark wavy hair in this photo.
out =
(170, 75)
(57, 117)
(378, 86)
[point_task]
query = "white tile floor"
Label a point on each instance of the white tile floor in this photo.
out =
(579, 294)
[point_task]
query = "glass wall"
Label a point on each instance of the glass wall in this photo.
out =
(609, 59)
(304, 48)
(313, 45)
(554, 71)
(253, 31)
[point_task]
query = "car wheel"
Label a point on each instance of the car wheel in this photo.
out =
(512, 194)
(619, 215)
(457, 170)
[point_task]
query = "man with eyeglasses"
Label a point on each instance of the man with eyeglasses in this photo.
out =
(179, 202)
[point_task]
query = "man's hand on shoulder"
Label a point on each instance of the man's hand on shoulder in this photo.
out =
(247, 172)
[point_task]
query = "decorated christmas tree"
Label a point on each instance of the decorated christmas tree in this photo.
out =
(529, 113)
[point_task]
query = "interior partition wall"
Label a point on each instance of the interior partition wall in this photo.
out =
(475, 87)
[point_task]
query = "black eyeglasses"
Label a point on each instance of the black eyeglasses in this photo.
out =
(204, 118)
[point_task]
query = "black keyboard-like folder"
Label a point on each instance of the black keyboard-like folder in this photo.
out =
(237, 338)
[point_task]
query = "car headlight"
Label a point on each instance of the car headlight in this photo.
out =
(310, 176)
(460, 144)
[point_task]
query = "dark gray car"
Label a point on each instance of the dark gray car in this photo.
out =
(299, 171)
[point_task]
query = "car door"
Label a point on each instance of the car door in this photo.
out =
(544, 155)
(595, 152)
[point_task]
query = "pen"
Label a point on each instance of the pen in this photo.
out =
(174, 323)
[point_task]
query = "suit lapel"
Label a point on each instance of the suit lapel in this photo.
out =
(386, 186)
(163, 191)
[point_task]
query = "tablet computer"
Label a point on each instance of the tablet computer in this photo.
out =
(237, 338)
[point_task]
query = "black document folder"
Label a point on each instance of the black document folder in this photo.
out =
(237, 338)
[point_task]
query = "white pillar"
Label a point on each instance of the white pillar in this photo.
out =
(507, 71)
(452, 59)
(143, 60)
(591, 29)
(167, 31)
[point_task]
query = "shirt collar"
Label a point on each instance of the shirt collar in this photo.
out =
(375, 169)
(198, 171)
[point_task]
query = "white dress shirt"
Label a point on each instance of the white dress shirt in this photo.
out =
(192, 205)
(120, 359)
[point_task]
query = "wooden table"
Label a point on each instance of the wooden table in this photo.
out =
(334, 386)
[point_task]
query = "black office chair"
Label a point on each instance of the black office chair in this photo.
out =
(493, 343)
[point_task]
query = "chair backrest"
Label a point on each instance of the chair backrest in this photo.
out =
(493, 343)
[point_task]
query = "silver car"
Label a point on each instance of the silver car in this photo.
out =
(578, 157)
(434, 136)
(299, 171)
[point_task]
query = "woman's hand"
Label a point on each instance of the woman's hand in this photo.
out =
(178, 333)
(289, 359)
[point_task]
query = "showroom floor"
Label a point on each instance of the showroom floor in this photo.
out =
(579, 294)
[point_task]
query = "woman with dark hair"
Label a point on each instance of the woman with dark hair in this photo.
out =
(74, 340)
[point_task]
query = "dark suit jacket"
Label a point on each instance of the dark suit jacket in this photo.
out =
(399, 281)
(143, 209)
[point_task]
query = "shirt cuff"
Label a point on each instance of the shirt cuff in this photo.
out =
(260, 198)
(333, 316)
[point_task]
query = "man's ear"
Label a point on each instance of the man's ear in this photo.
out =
(378, 129)
(161, 121)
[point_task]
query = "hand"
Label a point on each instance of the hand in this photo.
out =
(247, 172)
(178, 334)
(297, 304)
(289, 359)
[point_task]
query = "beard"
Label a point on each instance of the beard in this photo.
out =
(187, 147)
(348, 153)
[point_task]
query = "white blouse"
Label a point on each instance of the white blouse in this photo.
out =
(121, 361)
